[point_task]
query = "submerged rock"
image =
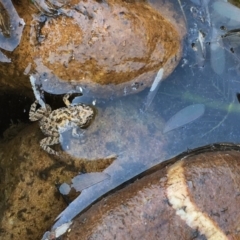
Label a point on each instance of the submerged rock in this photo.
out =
(111, 48)
(195, 196)
(30, 201)
(121, 129)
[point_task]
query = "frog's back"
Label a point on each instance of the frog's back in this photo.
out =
(63, 119)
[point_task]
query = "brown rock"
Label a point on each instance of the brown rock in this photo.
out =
(196, 197)
(112, 48)
(121, 129)
(29, 200)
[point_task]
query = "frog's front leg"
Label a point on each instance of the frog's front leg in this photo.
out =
(48, 141)
(77, 133)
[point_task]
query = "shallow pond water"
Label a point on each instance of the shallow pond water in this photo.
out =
(141, 134)
(207, 76)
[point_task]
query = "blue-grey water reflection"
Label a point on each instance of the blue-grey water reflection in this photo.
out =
(208, 75)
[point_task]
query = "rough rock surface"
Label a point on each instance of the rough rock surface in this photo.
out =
(112, 48)
(29, 200)
(195, 198)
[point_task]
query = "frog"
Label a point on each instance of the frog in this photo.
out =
(54, 123)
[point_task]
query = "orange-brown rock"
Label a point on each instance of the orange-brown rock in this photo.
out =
(197, 197)
(113, 47)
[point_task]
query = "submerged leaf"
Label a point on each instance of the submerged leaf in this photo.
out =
(11, 26)
(217, 53)
(86, 180)
(4, 58)
(82, 181)
(184, 116)
(154, 88)
(226, 9)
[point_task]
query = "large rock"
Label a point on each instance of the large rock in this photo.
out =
(196, 196)
(29, 200)
(111, 48)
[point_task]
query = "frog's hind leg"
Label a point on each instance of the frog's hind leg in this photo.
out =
(35, 115)
(48, 141)
(32, 113)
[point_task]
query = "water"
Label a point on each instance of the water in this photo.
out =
(209, 78)
(208, 75)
